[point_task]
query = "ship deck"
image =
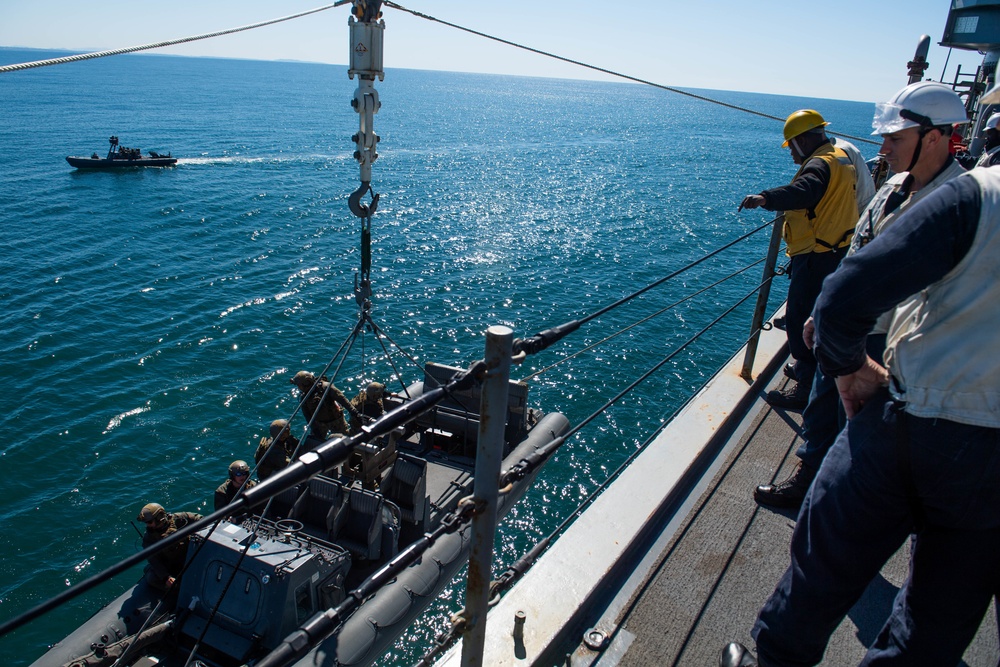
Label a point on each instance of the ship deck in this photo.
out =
(705, 584)
(675, 558)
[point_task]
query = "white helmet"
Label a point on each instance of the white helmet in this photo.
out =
(925, 104)
(992, 122)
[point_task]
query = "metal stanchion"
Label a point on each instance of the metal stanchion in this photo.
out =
(762, 296)
(492, 421)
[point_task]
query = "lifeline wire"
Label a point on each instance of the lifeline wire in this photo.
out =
(543, 339)
(156, 45)
(675, 273)
(389, 3)
(508, 577)
(645, 319)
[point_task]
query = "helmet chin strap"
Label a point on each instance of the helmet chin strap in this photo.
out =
(925, 123)
(916, 151)
(794, 143)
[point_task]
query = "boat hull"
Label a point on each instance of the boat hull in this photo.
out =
(104, 163)
(375, 625)
(363, 638)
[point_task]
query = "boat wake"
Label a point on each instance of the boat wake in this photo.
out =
(240, 159)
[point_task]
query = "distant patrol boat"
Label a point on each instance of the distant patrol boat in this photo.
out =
(121, 157)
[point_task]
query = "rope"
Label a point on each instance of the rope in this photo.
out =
(156, 45)
(627, 77)
(516, 571)
(645, 319)
(536, 459)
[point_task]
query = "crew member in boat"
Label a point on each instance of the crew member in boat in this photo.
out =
(164, 566)
(821, 209)
(274, 453)
(991, 149)
(326, 402)
(368, 404)
(238, 480)
(918, 456)
(916, 125)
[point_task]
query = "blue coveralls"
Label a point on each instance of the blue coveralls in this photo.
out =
(823, 418)
(890, 474)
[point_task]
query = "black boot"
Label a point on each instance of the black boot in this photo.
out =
(792, 397)
(737, 655)
(788, 494)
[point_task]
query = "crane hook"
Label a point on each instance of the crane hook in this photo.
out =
(359, 209)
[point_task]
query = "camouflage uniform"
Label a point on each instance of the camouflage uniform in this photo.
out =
(272, 459)
(368, 402)
(227, 491)
(170, 561)
(329, 414)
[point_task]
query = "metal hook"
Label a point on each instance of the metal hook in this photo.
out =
(354, 201)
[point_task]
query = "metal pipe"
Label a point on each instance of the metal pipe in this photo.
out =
(489, 455)
(762, 297)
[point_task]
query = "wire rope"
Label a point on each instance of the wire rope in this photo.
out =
(156, 45)
(657, 283)
(603, 70)
(645, 319)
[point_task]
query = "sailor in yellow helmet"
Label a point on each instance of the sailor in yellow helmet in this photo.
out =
(820, 210)
(915, 125)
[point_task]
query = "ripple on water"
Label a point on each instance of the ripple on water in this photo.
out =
(150, 319)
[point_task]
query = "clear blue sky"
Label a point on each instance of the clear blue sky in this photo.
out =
(854, 49)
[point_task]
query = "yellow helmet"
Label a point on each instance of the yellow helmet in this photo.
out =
(801, 121)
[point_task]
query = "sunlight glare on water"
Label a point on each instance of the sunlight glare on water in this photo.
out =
(151, 319)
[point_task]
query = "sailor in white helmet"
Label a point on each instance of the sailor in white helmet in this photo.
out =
(916, 126)
(918, 153)
(991, 149)
(919, 455)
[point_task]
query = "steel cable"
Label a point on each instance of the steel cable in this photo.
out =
(603, 70)
(157, 45)
(645, 319)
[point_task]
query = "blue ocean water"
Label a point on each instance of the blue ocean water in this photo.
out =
(150, 319)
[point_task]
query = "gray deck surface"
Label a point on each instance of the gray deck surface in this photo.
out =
(710, 580)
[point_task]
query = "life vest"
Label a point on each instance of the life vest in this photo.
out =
(942, 348)
(830, 224)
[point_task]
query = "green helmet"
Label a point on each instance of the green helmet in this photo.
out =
(375, 390)
(277, 426)
(151, 512)
(238, 467)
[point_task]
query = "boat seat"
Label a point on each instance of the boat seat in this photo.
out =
(283, 504)
(466, 403)
(359, 524)
(320, 504)
(406, 486)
